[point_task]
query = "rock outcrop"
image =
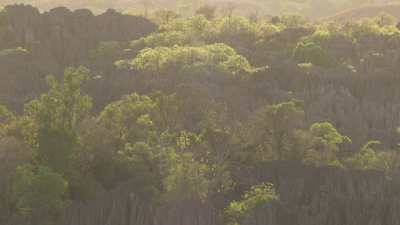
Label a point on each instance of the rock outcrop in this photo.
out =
(52, 41)
(328, 196)
(308, 196)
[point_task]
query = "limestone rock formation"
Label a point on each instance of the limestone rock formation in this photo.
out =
(54, 40)
(308, 196)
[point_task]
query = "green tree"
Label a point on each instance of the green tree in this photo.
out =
(235, 31)
(130, 119)
(293, 20)
(131, 128)
(384, 19)
(13, 153)
(56, 115)
(40, 193)
(187, 178)
(5, 115)
(310, 52)
(324, 144)
(5, 118)
(153, 151)
(273, 132)
(258, 196)
(371, 158)
(209, 59)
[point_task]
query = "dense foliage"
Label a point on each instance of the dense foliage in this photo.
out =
(182, 113)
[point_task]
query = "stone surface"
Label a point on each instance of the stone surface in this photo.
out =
(52, 41)
(308, 196)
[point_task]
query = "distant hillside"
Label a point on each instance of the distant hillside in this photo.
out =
(241, 7)
(367, 11)
(312, 9)
(99, 6)
(121, 5)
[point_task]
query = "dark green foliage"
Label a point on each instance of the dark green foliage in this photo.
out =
(5, 115)
(310, 52)
(39, 193)
(273, 131)
(56, 115)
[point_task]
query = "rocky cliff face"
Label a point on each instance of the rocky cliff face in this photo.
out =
(328, 196)
(308, 196)
(51, 41)
(122, 207)
(66, 32)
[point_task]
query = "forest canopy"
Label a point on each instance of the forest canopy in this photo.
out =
(190, 108)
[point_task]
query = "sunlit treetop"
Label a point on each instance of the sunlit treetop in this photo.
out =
(178, 31)
(205, 60)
